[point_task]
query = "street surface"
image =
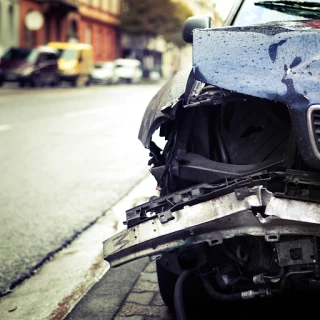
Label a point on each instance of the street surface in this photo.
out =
(66, 156)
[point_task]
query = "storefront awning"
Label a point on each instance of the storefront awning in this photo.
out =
(58, 7)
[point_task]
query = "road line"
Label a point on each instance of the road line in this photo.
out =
(82, 112)
(5, 127)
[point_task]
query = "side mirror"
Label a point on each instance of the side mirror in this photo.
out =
(192, 23)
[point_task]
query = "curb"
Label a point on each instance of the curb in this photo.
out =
(128, 292)
(61, 283)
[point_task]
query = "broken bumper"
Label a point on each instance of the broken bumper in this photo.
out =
(214, 220)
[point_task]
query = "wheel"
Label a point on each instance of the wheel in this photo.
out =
(88, 83)
(56, 81)
(1, 83)
(36, 81)
(22, 84)
(74, 82)
(166, 281)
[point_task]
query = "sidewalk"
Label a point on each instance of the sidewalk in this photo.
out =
(129, 292)
(61, 283)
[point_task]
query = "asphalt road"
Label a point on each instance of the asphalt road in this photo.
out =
(66, 156)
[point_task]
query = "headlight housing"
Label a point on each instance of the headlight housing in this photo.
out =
(26, 71)
(70, 70)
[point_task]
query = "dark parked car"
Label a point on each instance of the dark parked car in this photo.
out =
(36, 66)
(238, 214)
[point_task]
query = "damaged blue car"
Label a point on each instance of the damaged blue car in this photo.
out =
(238, 212)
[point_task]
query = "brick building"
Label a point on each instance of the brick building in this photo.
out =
(90, 21)
(9, 22)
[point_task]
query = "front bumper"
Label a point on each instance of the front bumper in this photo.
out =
(13, 77)
(68, 78)
(213, 221)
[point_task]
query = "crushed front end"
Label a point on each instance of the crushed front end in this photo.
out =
(239, 181)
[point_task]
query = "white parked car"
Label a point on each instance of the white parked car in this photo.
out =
(104, 72)
(128, 70)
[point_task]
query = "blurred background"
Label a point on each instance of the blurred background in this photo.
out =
(149, 31)
(76, 77)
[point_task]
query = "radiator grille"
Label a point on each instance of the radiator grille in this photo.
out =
(314, 128)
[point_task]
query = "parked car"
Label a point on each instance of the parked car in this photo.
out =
(36, 66)
(237, 215)
(104, 72)
(128, 70)
(75, 62)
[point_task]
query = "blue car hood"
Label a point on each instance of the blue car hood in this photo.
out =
(273, 60)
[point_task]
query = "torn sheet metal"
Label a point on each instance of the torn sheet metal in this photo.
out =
(212, 221)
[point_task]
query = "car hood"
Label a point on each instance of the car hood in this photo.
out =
(273, 60)
(14, 64)
(278, 61)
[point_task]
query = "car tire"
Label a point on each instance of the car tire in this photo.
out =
(195, 295)
(89, 81)
(1, 83)
(36, 81)
(56, 81)
(74, 82)
(166, 281)
(22, 84)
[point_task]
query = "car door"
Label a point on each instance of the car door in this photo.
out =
(44, 67)
(52, 66)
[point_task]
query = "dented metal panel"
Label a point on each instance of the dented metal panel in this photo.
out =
(212, 221)
(276, 61)
(159, 108)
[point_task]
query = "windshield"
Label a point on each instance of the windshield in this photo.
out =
(104, 66)
(15, 54)
(307, 9)
(251, 12)
(68, 54)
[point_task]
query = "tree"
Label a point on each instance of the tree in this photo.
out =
(155, 18)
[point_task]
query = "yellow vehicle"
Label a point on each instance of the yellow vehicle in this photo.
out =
(75, 62)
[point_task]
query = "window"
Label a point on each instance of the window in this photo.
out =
(42, 57)
(58, 30)
(68, 54)
(104, 5)
(51, 56)
(11, 21)
(115, 6)
(88, 35)
(100, 42)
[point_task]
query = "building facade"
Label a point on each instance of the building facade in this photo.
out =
(100, 26)
(89, 21)
(9, 24)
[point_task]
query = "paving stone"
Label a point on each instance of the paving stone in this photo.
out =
(157, 300)
(147, 276)
(141, 298)
(129, 318)
(133, 309)
(142, 286)
(151, 267)
(167, 316)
